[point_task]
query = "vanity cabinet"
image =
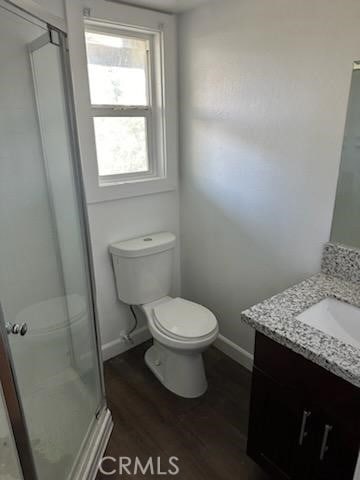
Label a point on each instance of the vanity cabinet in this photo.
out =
(304, 421)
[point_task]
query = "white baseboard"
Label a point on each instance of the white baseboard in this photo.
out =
(235, 352)
(114, 348)
(111, 349)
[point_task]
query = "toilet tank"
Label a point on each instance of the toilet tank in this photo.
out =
(143, 267)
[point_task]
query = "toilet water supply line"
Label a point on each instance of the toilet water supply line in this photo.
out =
(127, 337)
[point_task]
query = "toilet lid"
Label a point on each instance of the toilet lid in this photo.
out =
(184, 319)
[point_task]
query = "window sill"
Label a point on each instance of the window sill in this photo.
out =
(117, 181)
(129, 188)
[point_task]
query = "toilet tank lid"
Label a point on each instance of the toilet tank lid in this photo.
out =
(146, 245)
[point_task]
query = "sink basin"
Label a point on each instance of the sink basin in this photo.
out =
(336, 318)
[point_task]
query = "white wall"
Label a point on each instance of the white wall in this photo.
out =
(116, 220)
(55, 7)
(120, 219)
(264, 88)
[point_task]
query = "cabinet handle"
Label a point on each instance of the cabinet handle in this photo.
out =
(303, 432)
(324, 445)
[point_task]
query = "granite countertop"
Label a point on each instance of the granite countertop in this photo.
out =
(275, 318)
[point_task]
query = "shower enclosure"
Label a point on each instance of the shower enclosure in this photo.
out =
(54, 423)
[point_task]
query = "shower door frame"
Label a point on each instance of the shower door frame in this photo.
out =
(80, 191)
(14, 406)
(8, 377)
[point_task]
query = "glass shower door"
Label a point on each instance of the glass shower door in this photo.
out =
(45, 291)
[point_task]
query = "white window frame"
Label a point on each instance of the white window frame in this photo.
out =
(165, 111)
(153, 112)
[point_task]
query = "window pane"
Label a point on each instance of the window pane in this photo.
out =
(117, 69)
(121, 145)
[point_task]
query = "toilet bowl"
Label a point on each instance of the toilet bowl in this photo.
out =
(182, 330)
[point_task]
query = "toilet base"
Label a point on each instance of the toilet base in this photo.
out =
(181, 372)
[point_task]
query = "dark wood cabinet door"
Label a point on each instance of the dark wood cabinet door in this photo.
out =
(276, 421)
(336, 451)
(290, 392)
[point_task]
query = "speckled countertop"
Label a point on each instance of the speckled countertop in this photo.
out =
(275, 318)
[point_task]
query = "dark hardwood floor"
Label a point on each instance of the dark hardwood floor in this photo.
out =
(208, 434)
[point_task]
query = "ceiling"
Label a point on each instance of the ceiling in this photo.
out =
(170, 6)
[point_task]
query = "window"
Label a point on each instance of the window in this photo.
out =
(125, 91)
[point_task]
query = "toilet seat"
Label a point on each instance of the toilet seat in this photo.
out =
(184, 320)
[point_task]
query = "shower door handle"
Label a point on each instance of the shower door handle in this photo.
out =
(16, 328)
(13, 403)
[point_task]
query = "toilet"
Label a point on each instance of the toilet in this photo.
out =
(181, 329)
